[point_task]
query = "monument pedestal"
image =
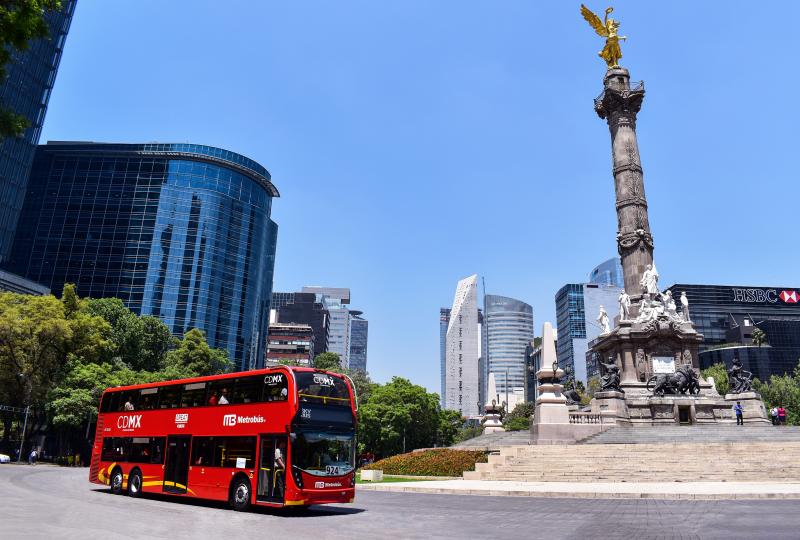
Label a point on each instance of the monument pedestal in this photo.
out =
(754, 409)
(551, 417)
(611, 404)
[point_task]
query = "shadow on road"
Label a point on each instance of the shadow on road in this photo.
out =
(286, 512)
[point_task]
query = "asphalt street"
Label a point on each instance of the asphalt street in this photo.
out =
(50, 502)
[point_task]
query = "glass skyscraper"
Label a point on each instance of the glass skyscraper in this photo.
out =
(26, 91)
(608, 273)
(508, 325)
(577, 306)
(179, 231)
(359, 332)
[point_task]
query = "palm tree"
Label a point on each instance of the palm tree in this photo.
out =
(759, 337)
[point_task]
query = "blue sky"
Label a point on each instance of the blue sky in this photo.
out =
(415, 142)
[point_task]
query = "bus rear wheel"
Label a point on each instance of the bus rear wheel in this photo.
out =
(240, 494)
(116, 482)
(135, 484)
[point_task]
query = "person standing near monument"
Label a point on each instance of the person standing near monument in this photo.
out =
(739, 411)
(781, 415)
(773, 414)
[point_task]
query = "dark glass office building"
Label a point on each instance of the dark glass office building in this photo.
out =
(726, 315)
(359, 333)
(26, 91)
(303, 308)
(179, 231)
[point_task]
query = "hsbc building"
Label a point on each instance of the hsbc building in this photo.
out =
(727, 315)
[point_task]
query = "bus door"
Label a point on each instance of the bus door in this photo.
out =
(271, 470)
(176, 470)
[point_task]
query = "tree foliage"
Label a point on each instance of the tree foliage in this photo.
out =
(720, 375)
(328, 361)
(519, 418)
(759, 337)
(20, 22)
(782, 391)
(194, 357)
(399, 416)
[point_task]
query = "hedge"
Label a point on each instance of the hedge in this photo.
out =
(439, 462)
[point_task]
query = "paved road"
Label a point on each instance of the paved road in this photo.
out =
(51, 502)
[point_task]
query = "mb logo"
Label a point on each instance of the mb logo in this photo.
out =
(229, 420)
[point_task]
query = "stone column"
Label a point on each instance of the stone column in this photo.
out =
(619, 105)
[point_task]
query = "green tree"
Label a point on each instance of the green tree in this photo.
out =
(720, 375)
(193, 357)
(399, 416)
(328, 361)
(20, 22)
(450, 422)
(782, 391)
(759, 337)
(141, 342)
(519, 418)
(363, 384)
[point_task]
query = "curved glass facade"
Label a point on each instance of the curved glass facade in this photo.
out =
(509, 331)
(182, 232)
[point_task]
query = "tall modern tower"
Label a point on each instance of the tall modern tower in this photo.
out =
(508, 325)
(26, 91)
(336, 300)
(463, 344)
(359, 332)
(444, 322)
(608, 273)
(178, 231)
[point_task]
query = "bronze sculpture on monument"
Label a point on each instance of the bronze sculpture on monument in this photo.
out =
(651, 353)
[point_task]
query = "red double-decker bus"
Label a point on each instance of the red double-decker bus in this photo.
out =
(283, 436)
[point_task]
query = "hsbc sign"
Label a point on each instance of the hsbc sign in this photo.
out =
(765, 296)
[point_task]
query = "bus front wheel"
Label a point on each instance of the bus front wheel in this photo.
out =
(116, 482)
(135, 484)
(240, 494)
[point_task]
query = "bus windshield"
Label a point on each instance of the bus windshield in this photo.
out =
(322, 388)
(324, 453)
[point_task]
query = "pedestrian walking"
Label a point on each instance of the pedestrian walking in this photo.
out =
(739, 411)
(32, 457)
(781, 415)
(773, 413)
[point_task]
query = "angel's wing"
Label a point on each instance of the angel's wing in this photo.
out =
(594, 21)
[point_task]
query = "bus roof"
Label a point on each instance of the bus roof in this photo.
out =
(232, 375)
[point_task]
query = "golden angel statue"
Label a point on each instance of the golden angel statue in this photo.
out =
(606, 28)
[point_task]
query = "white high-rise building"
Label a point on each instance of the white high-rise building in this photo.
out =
(335, 301)
(463, 351)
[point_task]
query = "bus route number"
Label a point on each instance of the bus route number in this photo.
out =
(305, 413)
(332, 469)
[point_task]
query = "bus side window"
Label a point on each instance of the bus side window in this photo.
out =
(170, 397)
(157, 449)
(276, 388)
(148, 399)
(248, 389)
(203, 452)
(112, 399)
(193, 395)
(105, 404)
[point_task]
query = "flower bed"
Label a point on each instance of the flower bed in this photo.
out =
(439, 462)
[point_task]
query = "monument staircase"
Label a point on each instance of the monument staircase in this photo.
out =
(659, 454)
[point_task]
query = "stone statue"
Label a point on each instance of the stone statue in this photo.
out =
(624, 306)
(608, 29)
(571, 389)
(647, 310)
(682, 381)
(602, 318)
(649, 281)
(685, 307)
(670, 308)
(739, 378)
(610, 380)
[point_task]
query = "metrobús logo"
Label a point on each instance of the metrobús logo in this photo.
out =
(323, 485)
(233, 419)
(323, 380)
(129, 422)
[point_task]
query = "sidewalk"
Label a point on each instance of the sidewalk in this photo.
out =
(598, 490)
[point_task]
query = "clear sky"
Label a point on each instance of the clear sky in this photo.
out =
(416, 142)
